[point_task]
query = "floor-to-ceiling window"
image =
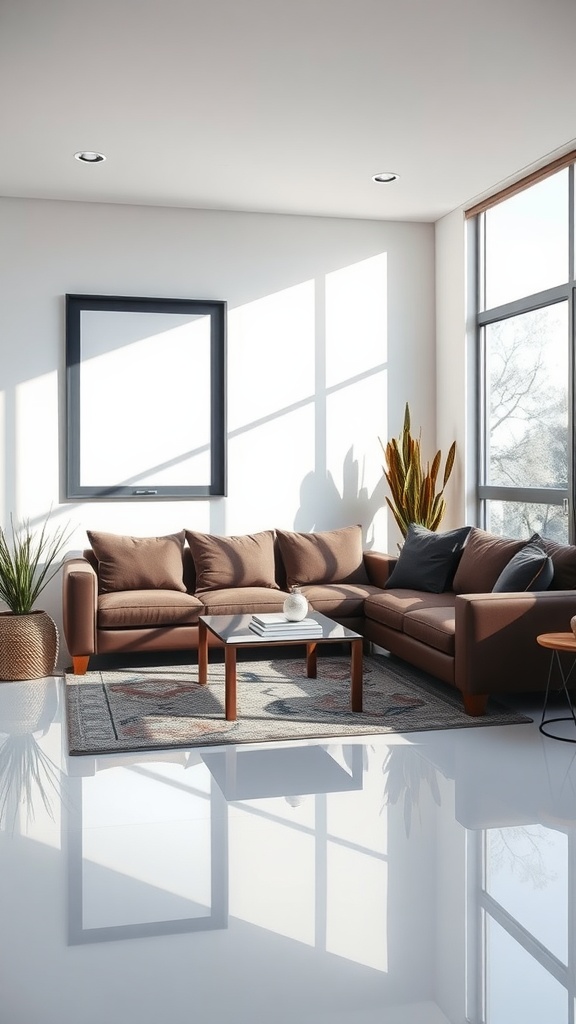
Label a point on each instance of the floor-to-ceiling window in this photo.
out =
(525, 333)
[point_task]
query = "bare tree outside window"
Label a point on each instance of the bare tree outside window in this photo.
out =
(526, 286)
(527, 417)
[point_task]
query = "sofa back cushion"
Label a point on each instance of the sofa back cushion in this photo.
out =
(138, 563)
(189, 571)
(564, 561)
(484, 557)
(428, 560)
(330, 556)
(238, 561)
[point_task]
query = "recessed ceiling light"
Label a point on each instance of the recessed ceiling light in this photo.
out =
(90, 158)
(385, 176)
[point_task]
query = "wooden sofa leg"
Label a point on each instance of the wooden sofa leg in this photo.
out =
(80, 665)
(475, 703)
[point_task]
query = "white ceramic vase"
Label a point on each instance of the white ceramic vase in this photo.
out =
(295, 606)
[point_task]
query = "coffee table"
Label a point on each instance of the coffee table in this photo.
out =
(234, 632)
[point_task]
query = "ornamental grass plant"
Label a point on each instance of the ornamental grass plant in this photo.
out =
(413, 488)
(28, 561)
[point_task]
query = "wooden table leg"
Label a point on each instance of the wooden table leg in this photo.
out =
(356, 673)
(202, 654)
(311, 660)
(230, 682)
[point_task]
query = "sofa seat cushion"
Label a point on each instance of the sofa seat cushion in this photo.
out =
(341, 600)
(435, 627)
(132, 609)
(391, 606)
(242, 600)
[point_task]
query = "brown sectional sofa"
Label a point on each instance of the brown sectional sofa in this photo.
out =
(129, 595)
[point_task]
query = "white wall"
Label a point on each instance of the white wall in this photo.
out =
(454, 365)
(331, 331)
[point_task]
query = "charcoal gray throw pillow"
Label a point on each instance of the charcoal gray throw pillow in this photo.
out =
(428, 560)
(531, 568)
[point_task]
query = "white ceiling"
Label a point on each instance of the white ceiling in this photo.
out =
(285, 106)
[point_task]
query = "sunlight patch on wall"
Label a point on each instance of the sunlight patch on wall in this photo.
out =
(356, 379)
(271, 408)
(354, 417)
(356, 319)
(266, 467)
(307, 380)
(270, 354)
(36, 444)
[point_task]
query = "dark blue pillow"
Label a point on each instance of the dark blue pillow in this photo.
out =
(531, 568)
(428, 560)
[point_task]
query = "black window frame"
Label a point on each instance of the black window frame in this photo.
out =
(216, 485)
(566, 292)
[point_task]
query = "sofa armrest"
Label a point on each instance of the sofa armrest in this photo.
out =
(378, 567)
(79, 606)
(496, 647)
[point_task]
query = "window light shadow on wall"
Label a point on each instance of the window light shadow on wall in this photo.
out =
(307, 400)
(34, 448)
(309, 365)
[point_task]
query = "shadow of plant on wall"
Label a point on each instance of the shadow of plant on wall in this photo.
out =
(323, 507)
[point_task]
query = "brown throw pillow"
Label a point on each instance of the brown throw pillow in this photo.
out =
(332, 556)
(224, 562)
(483, 559)
(138, 563)
(564, 561)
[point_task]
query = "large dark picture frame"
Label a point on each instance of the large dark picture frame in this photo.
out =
(145, 398)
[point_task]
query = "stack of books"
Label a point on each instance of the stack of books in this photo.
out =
(276, 626)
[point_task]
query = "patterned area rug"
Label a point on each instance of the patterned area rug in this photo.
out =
(162, 707)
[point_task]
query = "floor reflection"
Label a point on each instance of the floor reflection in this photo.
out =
(285, 771)
(113, 877)
(28, 775)
(422, 880)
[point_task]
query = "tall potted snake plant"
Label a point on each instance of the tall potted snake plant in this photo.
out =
(413, 487)
(28, 637)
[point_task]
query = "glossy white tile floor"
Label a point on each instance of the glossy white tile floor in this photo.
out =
(420, 881)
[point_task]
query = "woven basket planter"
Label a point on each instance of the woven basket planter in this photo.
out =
(28, 646)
